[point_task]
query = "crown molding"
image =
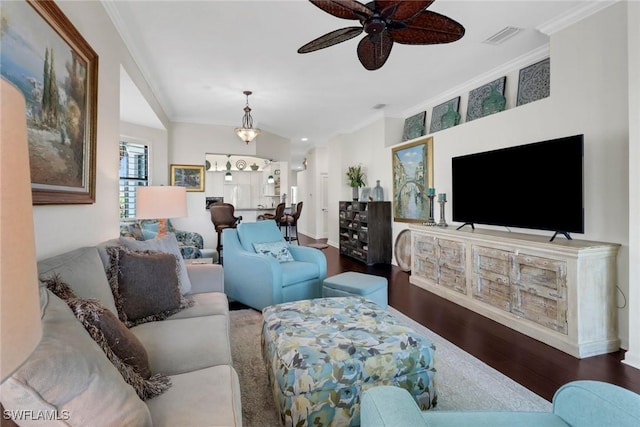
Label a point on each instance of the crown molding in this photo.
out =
(127, 38)
(576, 14)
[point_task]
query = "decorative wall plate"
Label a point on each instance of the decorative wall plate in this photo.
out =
(402, 250)
(241, 164)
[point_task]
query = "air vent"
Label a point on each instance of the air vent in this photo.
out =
(379, 106)
(502, 35)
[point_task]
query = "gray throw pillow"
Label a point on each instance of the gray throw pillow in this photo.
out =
(145, 285)
(166, 244)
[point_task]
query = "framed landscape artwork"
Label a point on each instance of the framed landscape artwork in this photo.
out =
(56, 70)
(190, 176)
(412, 166)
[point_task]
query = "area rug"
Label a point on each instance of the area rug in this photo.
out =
(463, 382)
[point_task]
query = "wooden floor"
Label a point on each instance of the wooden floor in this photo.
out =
(537, 366)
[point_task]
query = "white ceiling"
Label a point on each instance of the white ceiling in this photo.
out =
(199, 56)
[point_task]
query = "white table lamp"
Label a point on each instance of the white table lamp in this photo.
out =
(161, 202)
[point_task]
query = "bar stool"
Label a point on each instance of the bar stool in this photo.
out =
(291, 221)
(222, 216)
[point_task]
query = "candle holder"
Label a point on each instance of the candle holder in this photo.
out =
(442, 222)
(431, 221)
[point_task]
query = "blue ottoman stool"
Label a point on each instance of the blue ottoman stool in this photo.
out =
(353, 284)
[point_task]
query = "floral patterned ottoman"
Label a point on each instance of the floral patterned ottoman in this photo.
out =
(321, 353)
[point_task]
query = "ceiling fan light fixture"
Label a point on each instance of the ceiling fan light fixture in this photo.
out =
(385, 23)
(247, 132)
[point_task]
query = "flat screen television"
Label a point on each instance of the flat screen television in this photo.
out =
(535, 186)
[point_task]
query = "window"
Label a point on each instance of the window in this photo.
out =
(134, 172)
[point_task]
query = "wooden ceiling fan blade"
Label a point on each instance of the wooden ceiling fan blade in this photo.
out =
(329, 39)
(345, 9)
(404, 9)
(428, 28)
(374, 50)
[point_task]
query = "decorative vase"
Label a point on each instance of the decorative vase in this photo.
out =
(378, 192)
(354, 193)
(254, 167)
(450, 118)
(493, 103)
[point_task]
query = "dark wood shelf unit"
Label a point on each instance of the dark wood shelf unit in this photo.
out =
(365, 231)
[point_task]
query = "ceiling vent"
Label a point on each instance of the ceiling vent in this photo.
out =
(502, 35)
(379, 106)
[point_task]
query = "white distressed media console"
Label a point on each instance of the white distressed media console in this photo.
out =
(561, 293)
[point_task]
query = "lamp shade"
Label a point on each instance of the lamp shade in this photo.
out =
(247, 135)
(156, 202)
(20, 323)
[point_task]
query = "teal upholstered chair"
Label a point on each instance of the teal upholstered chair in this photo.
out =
(259, 280)
(576, 404)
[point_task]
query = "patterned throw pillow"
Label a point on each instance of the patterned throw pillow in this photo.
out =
(278, 249)
(120, 345)
(145, 285)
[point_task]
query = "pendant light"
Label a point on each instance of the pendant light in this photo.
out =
(247, 133)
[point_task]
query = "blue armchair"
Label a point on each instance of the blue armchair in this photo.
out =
(259, 280)
(575, 404)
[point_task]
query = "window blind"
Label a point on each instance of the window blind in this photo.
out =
(134, 172)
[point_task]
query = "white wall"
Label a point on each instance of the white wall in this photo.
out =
(632, 356)
(60, 228)
(588, 95)
(309, 184)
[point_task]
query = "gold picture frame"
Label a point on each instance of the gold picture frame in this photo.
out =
(56, 70)
(189, 176)
(412, 166)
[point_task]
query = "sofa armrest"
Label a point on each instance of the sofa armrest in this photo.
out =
(316, 256)
(595, 403)
(388, 406)
(206, 278)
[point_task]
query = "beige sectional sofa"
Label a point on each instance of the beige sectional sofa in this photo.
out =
(69, 378)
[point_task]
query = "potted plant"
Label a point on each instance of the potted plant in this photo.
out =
(355, 176)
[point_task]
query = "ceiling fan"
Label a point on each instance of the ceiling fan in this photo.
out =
(385, 22)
